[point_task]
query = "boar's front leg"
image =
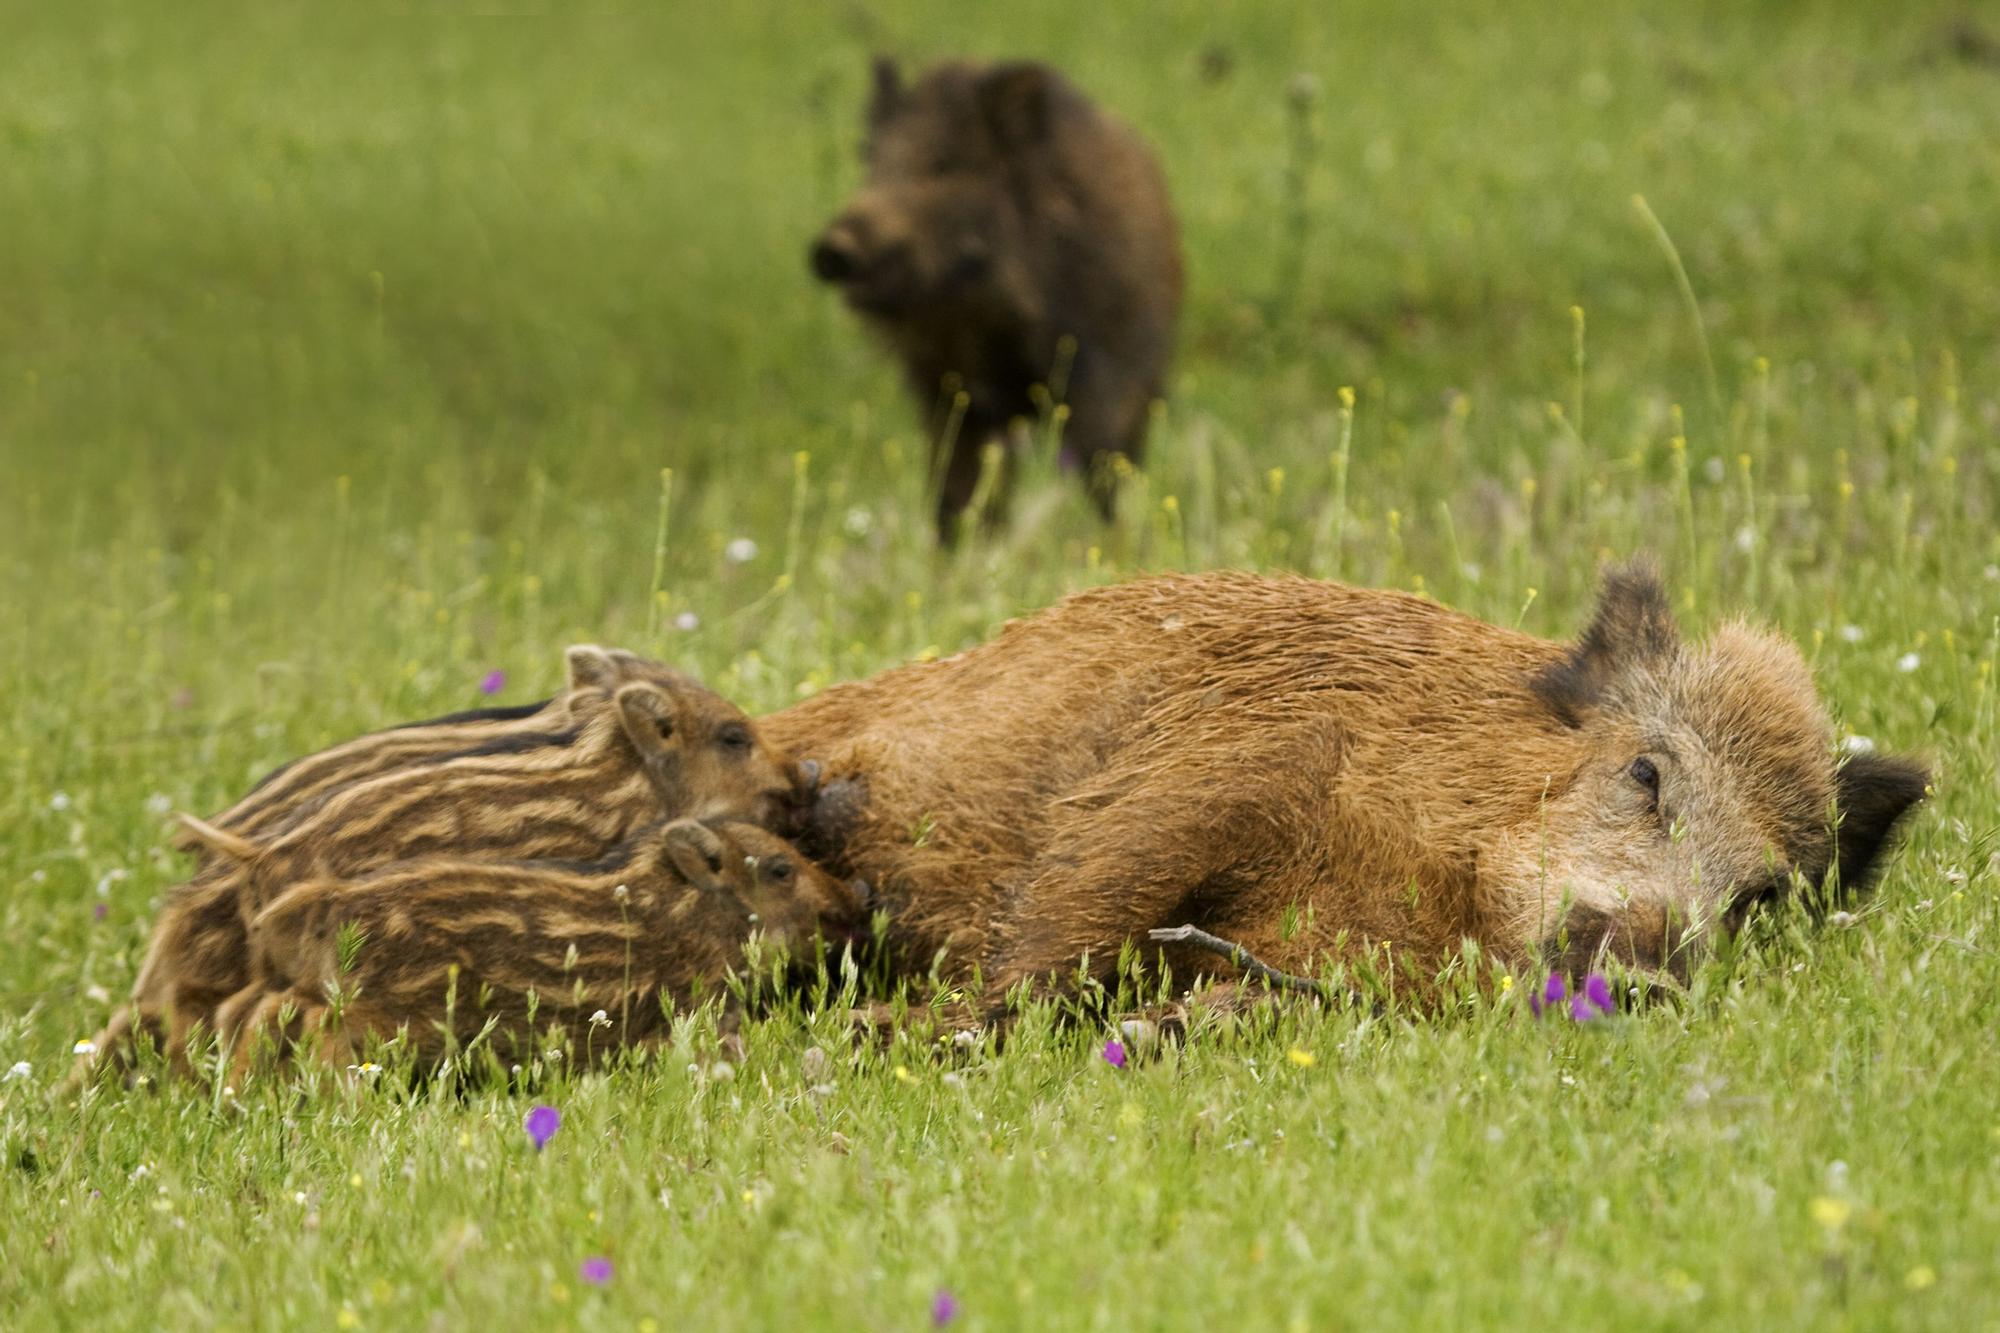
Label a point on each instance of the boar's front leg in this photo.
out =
(957, 475)
(1171, 834)
(1108, 416)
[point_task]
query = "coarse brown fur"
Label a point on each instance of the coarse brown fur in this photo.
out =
(440, 947)
(570, 780)
(1319, 771)
(1013, 244)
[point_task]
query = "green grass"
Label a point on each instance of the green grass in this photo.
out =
(339, 360)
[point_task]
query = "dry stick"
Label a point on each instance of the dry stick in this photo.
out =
(1241, 957)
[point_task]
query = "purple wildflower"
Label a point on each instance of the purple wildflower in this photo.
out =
(493, 682)
(596, 1272)
(1551, 994)
(1593, 1001)
(541, 1124)
(1114, 1053)
(944, 1305)
(99, 911)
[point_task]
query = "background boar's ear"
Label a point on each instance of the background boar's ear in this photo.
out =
(1014, 98)
(888, 90)
(697, 853)
(1871, 792)
(1631, 631)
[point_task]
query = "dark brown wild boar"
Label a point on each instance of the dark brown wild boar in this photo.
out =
(440, 947)
(1242, 753)
(1011, 236)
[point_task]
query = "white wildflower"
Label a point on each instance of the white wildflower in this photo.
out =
(159, 803)
(59, 801)
(687, 620)
(740, 551)
(600, 1019)
(859, 522)
(1858, 745)
(19, 1070)
(84, 1046)
(1746, 539)
(1908, 662)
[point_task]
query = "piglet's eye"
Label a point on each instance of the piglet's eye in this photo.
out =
(1646, 775)
(779, 870)
(735, 737)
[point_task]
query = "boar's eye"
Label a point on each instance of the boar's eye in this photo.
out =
(1646, 775)
(734, 736)
(779, 869)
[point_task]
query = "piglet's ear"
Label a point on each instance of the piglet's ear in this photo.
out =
(888, 91)
(1015, 100)
(648, 714)
(1872, 792)
(698, 853)
(590, 667)
(651, 718)
(1631, 633)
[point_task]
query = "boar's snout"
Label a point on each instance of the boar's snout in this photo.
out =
(1641, 937)
(836, 258)
(870, 257)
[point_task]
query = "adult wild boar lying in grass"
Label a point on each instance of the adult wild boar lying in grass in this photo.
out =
(1011, 237)
(1240, 753)
(441, 947)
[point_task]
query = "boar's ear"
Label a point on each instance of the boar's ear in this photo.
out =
(200, 834)
(1871, 792)
(1631, 631)
(1014, 98)
(652, 719)
(590, 667)
(698, 853)
(888, 90)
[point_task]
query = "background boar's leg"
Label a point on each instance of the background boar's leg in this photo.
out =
(957, 477)
(1106, 422)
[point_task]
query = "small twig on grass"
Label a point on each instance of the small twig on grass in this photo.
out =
(1241, 957)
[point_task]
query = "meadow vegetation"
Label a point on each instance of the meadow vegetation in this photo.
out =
(348, 359)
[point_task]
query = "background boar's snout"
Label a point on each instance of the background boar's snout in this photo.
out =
(835, 257)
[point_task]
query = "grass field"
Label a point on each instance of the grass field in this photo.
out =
(340, 361)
